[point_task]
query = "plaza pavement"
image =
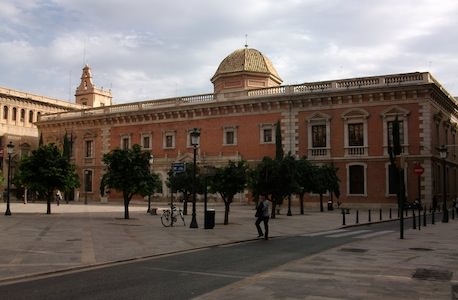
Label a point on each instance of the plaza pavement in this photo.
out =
(77, 236)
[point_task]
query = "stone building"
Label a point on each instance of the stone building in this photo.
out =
(21, 110)
(344, 122)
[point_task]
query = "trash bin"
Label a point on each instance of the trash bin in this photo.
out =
(330, 206)
(209, 219)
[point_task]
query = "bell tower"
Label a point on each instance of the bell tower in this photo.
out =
(87, 94)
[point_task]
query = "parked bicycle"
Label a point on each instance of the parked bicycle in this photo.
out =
(169, 216)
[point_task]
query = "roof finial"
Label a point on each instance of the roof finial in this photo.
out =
(246, 40)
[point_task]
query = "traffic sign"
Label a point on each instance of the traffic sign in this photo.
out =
(418, 170)
(178, 167)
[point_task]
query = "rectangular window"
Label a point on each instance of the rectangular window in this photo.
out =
(356, 180)
(356, 134)
(88, 180)
(267, 135)
(318, 136)
(169, 141)
(14, 115)
(5, 112)
(125, 143)
(89, 148)
(146, 142)
(390, 132)
(22, 117)
(230, 138)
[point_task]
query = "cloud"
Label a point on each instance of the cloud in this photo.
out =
(147, 49)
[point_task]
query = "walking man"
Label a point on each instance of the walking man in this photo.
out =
(262, 215)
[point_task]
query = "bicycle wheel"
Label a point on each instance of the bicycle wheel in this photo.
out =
(166, 218)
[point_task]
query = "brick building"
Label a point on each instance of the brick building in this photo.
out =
(345, 122)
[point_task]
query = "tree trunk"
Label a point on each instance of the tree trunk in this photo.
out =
(274, 207)
(289, 206)
(48, 205)
(226, 212)
(301, 196)
(185, 203)
(126, 207)
(321, 202)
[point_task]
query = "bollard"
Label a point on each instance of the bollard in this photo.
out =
(343, 217)
(390, 213)
(380, 214)
(424, 217)
(414, 219)
(357, 216)
(369, 216)
(432, 216)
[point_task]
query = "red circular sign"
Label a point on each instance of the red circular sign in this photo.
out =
(418, 170)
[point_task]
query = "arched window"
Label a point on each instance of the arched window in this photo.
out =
(13, 117)
(30, 116)
(5, 112)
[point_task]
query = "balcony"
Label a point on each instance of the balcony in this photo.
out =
(319, 153)
(356, 151)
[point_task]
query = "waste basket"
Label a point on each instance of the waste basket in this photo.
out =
(330, 206)
(209, 219)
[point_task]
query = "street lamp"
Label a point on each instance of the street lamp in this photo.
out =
(194, 135)
(443, 153)
(86, 185)
(149, 195)
(9, 149)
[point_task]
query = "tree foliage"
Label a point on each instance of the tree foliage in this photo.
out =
(228, 181)
(183, 182)
(45, 171)
(128, 171)
(325, 180)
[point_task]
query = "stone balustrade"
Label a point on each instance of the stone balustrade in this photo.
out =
(314, 87)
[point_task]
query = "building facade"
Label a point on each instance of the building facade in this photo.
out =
(21, 110)
(344, 122)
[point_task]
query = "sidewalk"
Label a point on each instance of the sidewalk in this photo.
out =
(76, 236)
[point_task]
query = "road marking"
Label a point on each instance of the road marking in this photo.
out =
(325, 232)
(373, 234)
(200, 273)
(347, 233)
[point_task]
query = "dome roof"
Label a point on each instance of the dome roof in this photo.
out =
(246, 60)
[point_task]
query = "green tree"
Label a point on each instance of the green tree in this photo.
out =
(183, 183)
(45, 171)
(304, 179)
(228, 181)
(270, 178)
(128, 171)
(325, 180)
(278, 144)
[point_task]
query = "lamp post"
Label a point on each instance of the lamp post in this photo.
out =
(149, 195)
(10, 148)
(86, 174)
(443, 153)
(195, 134)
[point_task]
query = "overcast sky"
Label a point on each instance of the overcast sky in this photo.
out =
(150, 49)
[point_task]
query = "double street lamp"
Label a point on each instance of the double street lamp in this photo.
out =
(151, 160)
(10, 149)
(194, 135)
(443, 154)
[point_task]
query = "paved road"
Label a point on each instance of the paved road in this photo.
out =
(187, 275)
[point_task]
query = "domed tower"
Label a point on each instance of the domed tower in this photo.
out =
(245, 69)
(87, 94)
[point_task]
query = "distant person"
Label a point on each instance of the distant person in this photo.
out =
(58, 197)
(262, 215)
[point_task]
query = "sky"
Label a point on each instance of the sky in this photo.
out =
(150, 49)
